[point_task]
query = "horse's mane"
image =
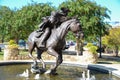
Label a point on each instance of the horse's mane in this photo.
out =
(64, 27)
(67, 22)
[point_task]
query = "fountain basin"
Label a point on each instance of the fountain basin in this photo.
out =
(10, 70)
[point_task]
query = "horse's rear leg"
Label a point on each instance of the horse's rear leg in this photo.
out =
(31, 47)
(59, 60)
(39, 52)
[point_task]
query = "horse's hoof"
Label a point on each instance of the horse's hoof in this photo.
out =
(34, 71)
(51, 72)
(42, 70)
(48, 72)
(37, 69)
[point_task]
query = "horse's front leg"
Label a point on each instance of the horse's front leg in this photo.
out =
(33, 58)
(35, 64)
(39, 52)
(59, 60)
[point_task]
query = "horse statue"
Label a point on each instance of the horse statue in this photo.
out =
(55, 43)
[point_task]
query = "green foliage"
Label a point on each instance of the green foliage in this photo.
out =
(113, 39)
(1, 55)
(5, 21)
(25, 20)
(91, 16)
(91, 47)
(114, 36)
(70, 36)
(28, 17)
(12, 44)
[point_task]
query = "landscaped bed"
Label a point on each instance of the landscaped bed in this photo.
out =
(102, 60)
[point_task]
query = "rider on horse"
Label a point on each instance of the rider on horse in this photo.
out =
(51, 22)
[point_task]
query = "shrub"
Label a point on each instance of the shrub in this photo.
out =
(12, 44)
(91, 47)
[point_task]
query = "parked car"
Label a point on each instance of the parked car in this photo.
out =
(2, 46)
(70, 43)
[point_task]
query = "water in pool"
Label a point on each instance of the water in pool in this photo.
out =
(14, 72)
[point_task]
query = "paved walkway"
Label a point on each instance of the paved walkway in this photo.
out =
(111, 68)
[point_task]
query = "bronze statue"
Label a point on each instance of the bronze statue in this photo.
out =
(51, 22)
(55, 43)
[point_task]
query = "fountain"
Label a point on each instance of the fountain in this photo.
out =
(54, 45)
(66, 71)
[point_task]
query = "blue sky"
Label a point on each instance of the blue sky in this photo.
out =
(112, 5)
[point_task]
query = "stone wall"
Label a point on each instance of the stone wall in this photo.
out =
(13, 54)
(86, 58)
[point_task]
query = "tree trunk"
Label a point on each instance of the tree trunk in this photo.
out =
(116, 51)
(77, 46)
(0, 49)
(81, 47)
(2, 40)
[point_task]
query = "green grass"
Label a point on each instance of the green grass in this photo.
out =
(108, 61)
(1, 55)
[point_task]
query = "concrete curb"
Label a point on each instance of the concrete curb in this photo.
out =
(111, 69)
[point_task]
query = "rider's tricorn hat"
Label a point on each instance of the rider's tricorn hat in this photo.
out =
(65, 9)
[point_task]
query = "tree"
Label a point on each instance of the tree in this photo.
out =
(113, 39)
(23, 21)
(26, 19)
(5, 21)
(91, 16)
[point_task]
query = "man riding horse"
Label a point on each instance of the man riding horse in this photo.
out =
(50, 22)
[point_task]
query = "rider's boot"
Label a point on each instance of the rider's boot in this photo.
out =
(44, 38)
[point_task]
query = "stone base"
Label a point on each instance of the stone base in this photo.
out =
(10, 52)
(89, 57)
(86, 58)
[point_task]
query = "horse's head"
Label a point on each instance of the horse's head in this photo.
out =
(76, 28)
